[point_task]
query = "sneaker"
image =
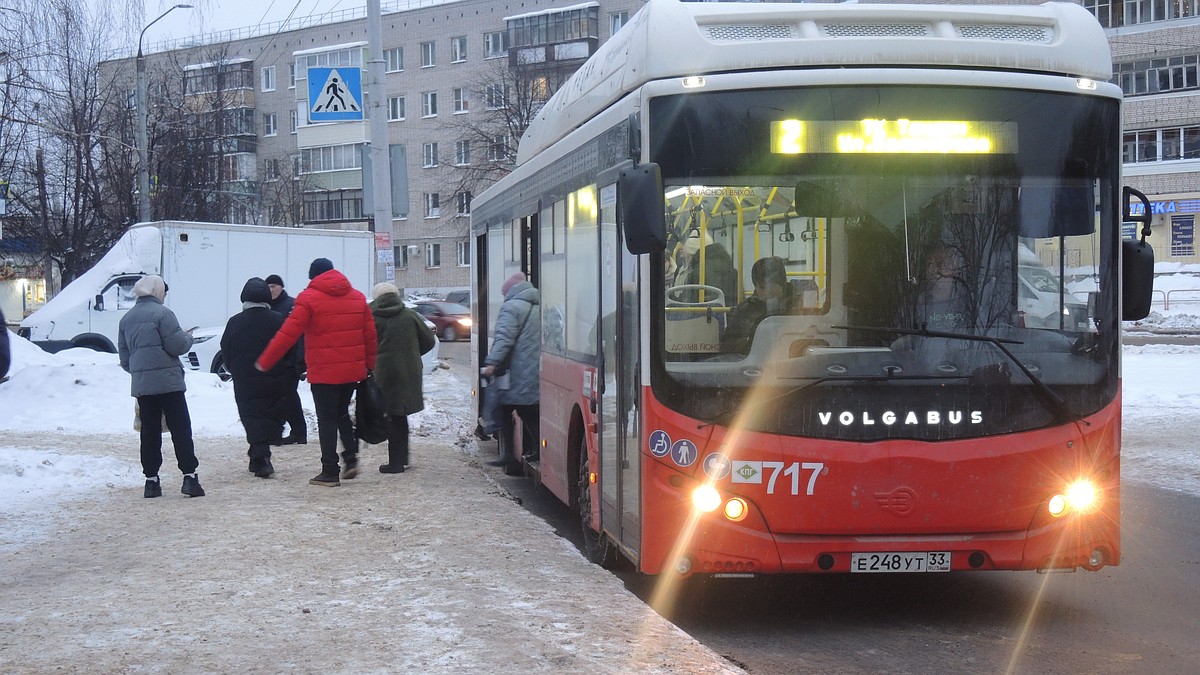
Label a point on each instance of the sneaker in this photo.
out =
(153, 488)
(391, 468)
(265, 470)
(191, 486)
(293, 439)
(325, 479)
(351, 470)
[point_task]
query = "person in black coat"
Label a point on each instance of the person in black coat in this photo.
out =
(261, 397)
(5, 355)
(298, 427)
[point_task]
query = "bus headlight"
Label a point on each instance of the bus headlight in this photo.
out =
(706, 498)
(1080, 497)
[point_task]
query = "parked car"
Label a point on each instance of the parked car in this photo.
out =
(452, 321)
(459, 297)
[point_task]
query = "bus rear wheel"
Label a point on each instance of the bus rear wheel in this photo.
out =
(596, 546)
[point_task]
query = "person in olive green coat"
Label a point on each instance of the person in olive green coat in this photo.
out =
(403, 338)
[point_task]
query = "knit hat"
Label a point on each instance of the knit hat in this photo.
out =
(274, 279)
(256, 290)
(383, 289)
(319, 267)
(151, 284)
(515, 279)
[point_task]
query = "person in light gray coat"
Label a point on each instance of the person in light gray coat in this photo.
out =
(150, 342)
(517, 352)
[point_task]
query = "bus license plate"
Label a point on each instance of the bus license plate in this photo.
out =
(928, 561)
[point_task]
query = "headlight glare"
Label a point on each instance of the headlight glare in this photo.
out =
(706, 498)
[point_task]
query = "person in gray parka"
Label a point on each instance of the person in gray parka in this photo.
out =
(516, 351)
(150, 343)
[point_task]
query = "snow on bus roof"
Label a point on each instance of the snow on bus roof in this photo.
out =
(669, 39)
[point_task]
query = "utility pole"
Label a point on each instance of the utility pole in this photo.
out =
(143, 143)
(381, 161)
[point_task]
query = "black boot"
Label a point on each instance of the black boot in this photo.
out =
(191, 486)
(265, 470)
(153, 488)
(327, 478)
(395, 461)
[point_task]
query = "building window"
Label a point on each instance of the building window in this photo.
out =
(463, 249)
(331, 158)
(430, 152)
(497, 96)
(1183, 236)
(429, 104)
(554, 26)
(1161, 145)
(268, 78)
(396, 108)
(462, 153)
(616, 20)
(394, 59)
(1159, 75)
(495, 44)
(271, 169)
(463, 201)
(433, 255)
(458, 49)
(400, 255)
(333, 205)
(433, 205)
(428, 54)
(291, 76)
(270, 125)
(460, 100)
(497, 149)
(332, 59)
(295, 121)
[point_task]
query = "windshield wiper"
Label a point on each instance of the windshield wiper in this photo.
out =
(1055, 402)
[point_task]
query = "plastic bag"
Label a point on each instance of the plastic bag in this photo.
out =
(489, 419)
(370, 412)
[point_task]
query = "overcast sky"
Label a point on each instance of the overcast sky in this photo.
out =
(210, 16)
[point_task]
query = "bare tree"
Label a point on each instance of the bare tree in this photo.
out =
(505, 101)
(58, 204)
(281, 191)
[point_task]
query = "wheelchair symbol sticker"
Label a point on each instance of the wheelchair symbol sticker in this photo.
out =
(660, 443)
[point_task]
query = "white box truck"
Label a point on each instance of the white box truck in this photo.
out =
(205, 265)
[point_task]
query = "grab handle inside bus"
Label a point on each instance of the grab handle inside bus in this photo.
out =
(642, 208)
(1137, 260)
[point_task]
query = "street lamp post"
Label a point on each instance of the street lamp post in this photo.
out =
(143, 143)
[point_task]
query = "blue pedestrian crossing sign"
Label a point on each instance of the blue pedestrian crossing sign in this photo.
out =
(335, 94)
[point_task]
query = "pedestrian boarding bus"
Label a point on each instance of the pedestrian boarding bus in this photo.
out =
(883, 403)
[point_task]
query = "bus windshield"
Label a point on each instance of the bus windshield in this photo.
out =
(886, 270)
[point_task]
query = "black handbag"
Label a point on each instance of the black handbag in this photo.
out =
(370, 412)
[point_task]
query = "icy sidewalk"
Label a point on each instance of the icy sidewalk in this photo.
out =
(433, 570)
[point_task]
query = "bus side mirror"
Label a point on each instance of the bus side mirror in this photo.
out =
(642, 208)
(99, 304)
(1137, 261)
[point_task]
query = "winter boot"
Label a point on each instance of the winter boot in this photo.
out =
(396, 460)
(255, 465)
(191, 486)
(327, 478)
(351, 470)
(265, 470)
(153, 488)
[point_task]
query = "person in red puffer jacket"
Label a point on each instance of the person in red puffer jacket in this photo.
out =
(340, 348)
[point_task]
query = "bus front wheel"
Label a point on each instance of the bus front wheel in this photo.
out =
(596, 546)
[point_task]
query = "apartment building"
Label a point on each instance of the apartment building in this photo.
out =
(450, 68)
(452, 71)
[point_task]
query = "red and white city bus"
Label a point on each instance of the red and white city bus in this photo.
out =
(894, 398)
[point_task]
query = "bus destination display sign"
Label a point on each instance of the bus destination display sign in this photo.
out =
(878, 136)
